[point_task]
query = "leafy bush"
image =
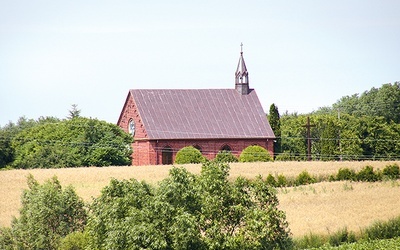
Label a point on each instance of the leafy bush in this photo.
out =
(341, 237)
(346, 174)
(282, 181)
(271, 181)
(48, 214)
(225, 156)
(255, 154)
(187, 211)
(391, 171)
(367, 174)
(304, 178)
(75, 241)
(189, 154)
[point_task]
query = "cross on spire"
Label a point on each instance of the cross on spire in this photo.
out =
(241, 48)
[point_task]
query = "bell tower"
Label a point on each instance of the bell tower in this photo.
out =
(241, 75)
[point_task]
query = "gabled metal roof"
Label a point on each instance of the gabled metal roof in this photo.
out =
(201, 114)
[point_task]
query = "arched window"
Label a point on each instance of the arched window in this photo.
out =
(226, 148)
(197, 147)
(166, 155)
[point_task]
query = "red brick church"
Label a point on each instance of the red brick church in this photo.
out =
(162, 121)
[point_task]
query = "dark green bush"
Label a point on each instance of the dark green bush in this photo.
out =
(341, 237)
(255, 154)
(346, 174)
(189, 154)
(391, 171)
(225, 156)
(304, 178)
(368, 174)
(271, 180)
(282, 181)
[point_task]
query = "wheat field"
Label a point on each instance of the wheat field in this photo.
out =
(319, 208)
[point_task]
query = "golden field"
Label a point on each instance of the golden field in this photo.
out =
(319, 208)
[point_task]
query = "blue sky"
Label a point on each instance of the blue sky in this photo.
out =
(301, 55)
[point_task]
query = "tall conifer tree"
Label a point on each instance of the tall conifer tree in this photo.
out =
(275, 122)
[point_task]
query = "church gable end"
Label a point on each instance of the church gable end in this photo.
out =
(130, 120)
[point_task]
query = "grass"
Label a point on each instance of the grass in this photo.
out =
(326, 207)
(319, 208)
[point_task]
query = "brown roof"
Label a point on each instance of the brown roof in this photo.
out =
(201, 114)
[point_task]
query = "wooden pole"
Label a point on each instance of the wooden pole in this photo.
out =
(308, 126)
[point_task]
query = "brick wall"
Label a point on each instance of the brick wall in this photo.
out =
(147, 152)
(150, 152)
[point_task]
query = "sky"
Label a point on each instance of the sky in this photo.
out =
(301, 55)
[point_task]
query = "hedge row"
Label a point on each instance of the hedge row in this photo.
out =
(366, 174)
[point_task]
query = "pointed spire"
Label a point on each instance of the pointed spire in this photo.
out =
(241, 75)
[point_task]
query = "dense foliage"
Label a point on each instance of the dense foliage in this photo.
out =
(8, 132)
(255, 153)
(50, 142)
(189, 211)
(48, 214)
(344, 138)
(189, 154)
(359, 127)
(383, 101)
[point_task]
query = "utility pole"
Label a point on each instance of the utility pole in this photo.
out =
(308, 126)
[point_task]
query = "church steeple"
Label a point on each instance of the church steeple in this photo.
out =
(241, 75)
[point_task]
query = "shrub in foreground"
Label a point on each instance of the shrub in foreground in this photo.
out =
(48, 214)
(255, 154)
(75, 241)
(188, 211)
(188, 155)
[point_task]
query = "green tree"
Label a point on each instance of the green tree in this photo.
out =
(48, 213)
(188, 211)
(275, 122)
(189, 154)
(71, 143)
(7, 133)
(74, 112)
(293, 136)
(383, 101)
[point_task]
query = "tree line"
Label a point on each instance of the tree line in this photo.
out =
(50, 142)
(356, 127)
